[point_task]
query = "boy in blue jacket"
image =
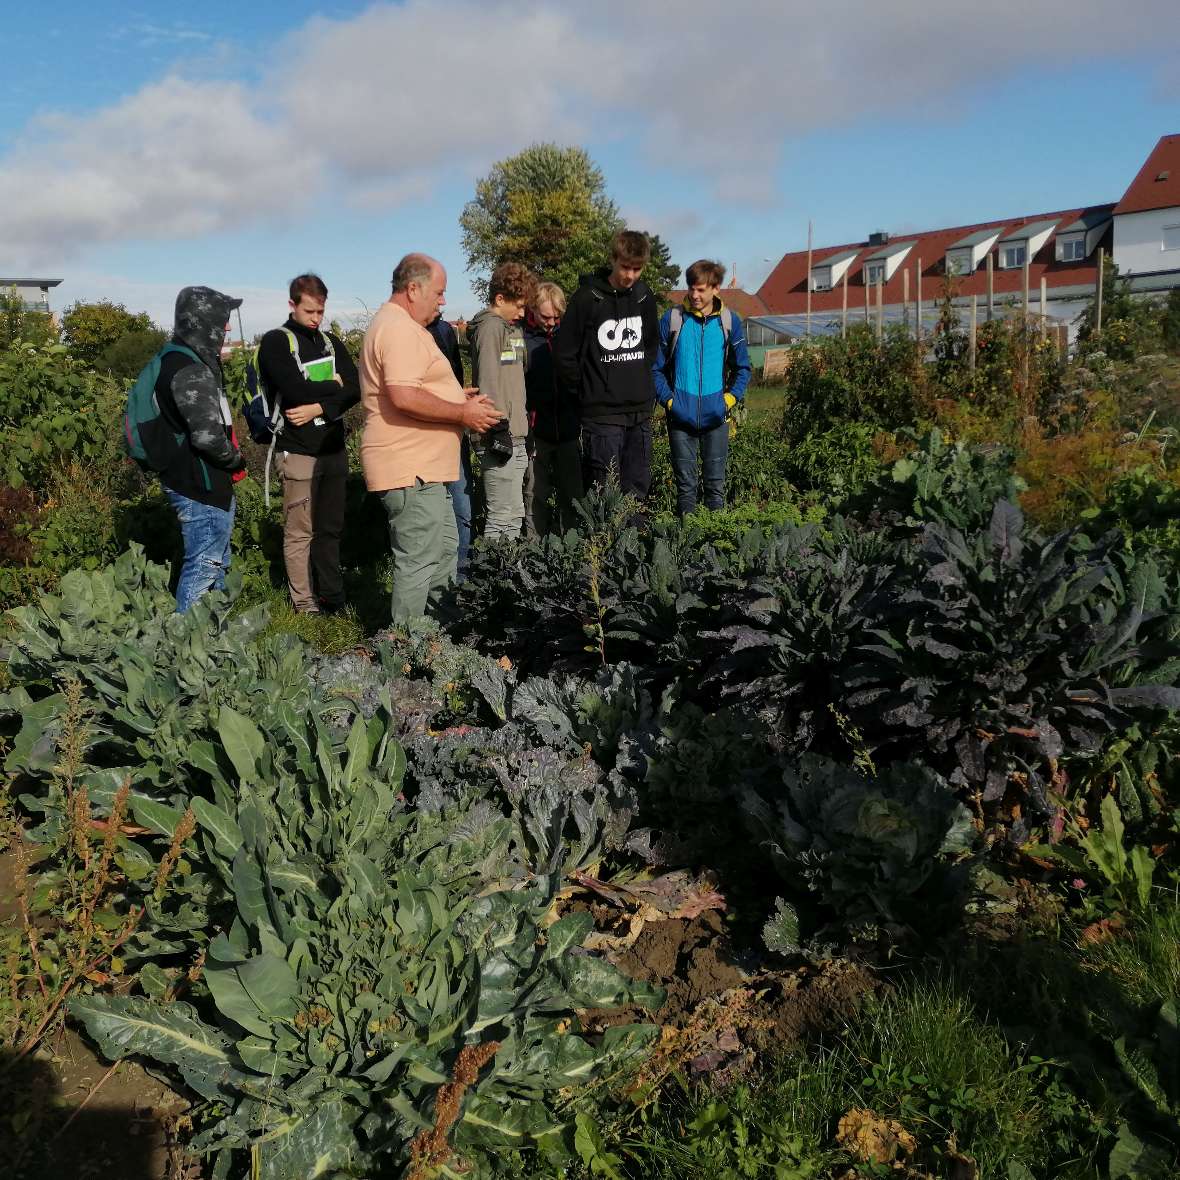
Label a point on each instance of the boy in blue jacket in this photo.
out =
(701, 372)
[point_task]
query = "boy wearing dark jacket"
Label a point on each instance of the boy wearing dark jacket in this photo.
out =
(701, 373)
(199, 480)
(310, 447)
(604, 352)
(555, 460)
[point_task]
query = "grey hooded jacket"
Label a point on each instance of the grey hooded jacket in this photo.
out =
(192, 396)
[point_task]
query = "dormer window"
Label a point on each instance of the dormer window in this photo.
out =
(1071, 249)
(874, 273)
(1012, 257)
(959, 262)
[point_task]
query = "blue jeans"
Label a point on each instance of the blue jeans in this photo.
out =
(206, 532)
(460, 491)
(699, 457)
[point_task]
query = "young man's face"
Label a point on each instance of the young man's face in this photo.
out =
(509, 310)
(625, 274)
(701, 296)
(546, 315)
(308, 312)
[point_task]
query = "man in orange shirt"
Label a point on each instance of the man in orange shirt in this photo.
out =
(415, 415)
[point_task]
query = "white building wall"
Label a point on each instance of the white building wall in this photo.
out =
(1139, 238)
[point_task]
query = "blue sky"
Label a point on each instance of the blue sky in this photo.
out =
(143, 148)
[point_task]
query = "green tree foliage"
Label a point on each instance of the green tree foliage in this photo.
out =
(18, 324)
(124, 358)
(661, 273)
(546, 207)
(89, 329)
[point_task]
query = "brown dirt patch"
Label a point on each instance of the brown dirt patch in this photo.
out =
(126, 1131)
(717, 1018)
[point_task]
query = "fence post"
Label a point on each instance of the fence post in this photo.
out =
(1098, 313)
(991, 302)
(880, 308)
(844, 305)
(905, 297)
(1044, 314)
(917, 300)
(972, 334)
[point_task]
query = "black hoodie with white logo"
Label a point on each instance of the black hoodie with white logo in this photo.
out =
(605, 348)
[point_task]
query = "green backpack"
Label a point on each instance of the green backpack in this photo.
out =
(149, 438)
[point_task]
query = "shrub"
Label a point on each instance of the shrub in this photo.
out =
(52, 408)
(857, 378)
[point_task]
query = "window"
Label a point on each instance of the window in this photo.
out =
(1171, 238)
(1013, 256)
(874, 273)
(959, 262)
(1071, 249)
(821, 279)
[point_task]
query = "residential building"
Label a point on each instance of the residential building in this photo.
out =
(33, 293)
(986, 261)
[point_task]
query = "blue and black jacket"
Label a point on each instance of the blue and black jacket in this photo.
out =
(693, 378)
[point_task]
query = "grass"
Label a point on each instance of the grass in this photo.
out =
(1145, 960)
(924, 1057)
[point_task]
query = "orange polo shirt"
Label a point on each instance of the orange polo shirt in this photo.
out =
(396, 449)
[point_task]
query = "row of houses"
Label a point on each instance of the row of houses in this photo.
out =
(1140, 233)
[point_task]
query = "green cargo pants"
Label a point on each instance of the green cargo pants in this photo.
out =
(425, 545)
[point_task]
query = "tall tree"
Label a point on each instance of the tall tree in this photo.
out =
(89, 329)
(660, 273)
(546, 207)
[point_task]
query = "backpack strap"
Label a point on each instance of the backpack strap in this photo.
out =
(675, 323)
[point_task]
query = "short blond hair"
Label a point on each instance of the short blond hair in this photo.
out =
(549, 293)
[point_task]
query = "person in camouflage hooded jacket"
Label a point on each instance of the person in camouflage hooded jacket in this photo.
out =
(200, 480)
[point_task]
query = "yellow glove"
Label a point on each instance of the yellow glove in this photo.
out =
(668, 404)
(730, 401)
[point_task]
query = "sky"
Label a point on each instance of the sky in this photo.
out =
(144, 148)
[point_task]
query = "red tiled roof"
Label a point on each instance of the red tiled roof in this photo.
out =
(1157, 186)
(745, 303)
(785, 290)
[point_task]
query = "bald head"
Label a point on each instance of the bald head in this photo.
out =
(420, 286)
(414, 268)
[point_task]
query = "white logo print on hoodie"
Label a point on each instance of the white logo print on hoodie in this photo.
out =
(625, 334)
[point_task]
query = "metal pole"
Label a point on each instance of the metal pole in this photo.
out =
(991, 292)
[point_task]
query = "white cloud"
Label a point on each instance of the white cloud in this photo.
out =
(178, 159)
(382, 104)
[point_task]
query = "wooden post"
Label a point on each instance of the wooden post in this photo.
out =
(844, 304)
(918, 300)
(880, 308)
(905, 297)
(1098, 312)
(1044, 313)
(1026, 283)
(809, 278)
(991, 291)
(866, 286)
(971, 338)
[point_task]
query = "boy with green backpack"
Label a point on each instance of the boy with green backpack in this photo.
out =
(178, 424)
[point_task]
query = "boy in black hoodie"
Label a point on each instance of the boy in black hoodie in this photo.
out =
(603, 353)
(311, 455)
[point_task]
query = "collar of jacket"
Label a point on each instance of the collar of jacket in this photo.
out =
(687, 308)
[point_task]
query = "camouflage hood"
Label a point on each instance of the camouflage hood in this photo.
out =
(201, 316)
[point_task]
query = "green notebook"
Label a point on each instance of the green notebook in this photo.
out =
(322, 370)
